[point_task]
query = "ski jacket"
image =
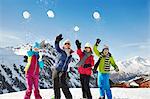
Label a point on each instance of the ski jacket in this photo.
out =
(89, 60)
(105, 61)
(64, 60)
(33, 64)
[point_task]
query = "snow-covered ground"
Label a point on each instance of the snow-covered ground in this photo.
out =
(118, 93)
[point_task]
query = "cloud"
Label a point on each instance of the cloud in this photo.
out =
(8, 40)
(140, 45)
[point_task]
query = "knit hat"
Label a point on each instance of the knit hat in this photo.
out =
(36, 45)
(67, 41)
(87, 45)
(106, 47)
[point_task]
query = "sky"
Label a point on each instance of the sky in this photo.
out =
(123, 24)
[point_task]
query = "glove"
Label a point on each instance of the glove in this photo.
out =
(117, 70)
(94, 71)
(78, 44)
(86, 65)
(98, 41)
(59, 38)
(25, 59)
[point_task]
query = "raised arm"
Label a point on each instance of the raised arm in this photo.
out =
(79, 51)
(58, 39)
(96, 50)
(95, 47)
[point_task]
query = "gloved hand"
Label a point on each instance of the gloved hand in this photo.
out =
(117, 69)
(59, 38)
(94, 71)
(25, 59)
(98, 41)
(86, 65)
(78, 43)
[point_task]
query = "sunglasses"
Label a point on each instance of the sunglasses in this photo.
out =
(87, 47)
(67, 43)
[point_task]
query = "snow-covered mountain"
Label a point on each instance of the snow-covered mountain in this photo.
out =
(131, 68)
(12, 76)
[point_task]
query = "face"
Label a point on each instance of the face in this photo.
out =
(36, 49)
(67, 45)
(87, 49)
(105, 52)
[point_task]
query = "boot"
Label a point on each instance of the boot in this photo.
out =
(102, 97)
(28, 94)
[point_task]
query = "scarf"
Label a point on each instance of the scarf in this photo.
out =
(82, 61)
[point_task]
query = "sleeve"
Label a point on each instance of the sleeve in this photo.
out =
(96, 50)
(57, 47)
(28, 64)
(113, 62)
(80, 53)
(41, 64)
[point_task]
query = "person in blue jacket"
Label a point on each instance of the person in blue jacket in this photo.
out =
(60, 71)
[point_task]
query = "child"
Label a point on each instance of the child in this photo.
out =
(85, 68)
(60, 71)
(32, 72)
(104, 62)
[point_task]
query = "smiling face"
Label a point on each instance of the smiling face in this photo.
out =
(36, 49)
(87, 49)
(105, 52)
(67, 46)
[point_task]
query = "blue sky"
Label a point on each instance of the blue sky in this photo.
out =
(124, 24)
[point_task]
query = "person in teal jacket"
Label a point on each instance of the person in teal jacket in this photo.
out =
(103, 66)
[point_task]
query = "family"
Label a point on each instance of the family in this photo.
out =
(85, 65)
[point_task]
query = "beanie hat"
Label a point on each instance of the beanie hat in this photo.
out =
(67, 41)
(87, 45)
(36, 45)
(106, 47)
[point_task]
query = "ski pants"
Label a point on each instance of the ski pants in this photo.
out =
(104, 85)
(85, 79)
(32, 80)
(60, 82)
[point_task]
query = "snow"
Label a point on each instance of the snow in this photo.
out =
(118, 93)
(96, 15)
(26, 14)
(76, 28)
(133, 83)
(50, 14)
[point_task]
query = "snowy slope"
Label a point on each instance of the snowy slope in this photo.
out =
(118, 93)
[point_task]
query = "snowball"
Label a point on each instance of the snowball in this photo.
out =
(50, 14)
(96, 15)
(26, 14)
(76, 28)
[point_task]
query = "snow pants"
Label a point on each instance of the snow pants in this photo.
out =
(104, 85)
(32, 80)
(60, 82)
(85, 79)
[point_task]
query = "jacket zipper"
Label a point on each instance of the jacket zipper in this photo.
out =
(65, 63)
(35, 66)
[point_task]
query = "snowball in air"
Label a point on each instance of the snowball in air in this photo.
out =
(76, 28)
(26, 14)
(96, 15)
(50, 14)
